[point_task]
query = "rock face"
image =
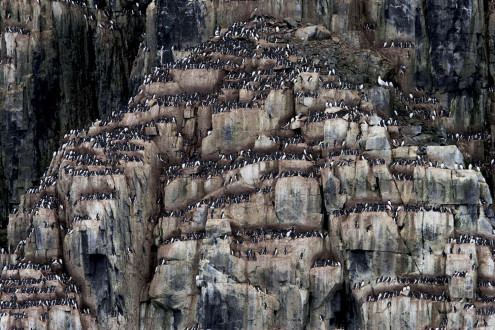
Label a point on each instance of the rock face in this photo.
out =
(66, 63)
(37, 298)
(277, 176)
(63, 64)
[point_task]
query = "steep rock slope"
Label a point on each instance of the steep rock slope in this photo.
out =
(63, 64)
(269, 178)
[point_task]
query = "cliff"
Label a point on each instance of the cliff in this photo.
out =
(281, 174)
(67, 63)
(63, 64)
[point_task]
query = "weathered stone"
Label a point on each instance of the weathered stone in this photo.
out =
(316, 32)
(298, 202)
(448, 155)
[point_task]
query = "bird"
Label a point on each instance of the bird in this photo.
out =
(382, 82)
(255, 12)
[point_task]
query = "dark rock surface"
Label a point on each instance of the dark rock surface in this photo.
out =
(59, 73)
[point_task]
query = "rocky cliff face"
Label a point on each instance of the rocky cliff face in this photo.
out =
(281, 175)
(63, 63)
(66, 63)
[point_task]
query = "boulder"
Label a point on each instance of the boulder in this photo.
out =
(315, 32)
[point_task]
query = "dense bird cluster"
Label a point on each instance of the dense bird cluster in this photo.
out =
(398, 44)
(370, 207)
(437, 280)
(228, 106)
(478, 240)
(47, 202)
(212, 203)
(29, 290)
(426, 208)
(486, 283)
(485, 311)
(384, 295)
(263, 234)
(326, 262)
(26, 292)
(469, 137)
(97, 196)
(459, 274)
(80, 218)
(85, 172)
(408, 293)
(429, 296)
(15, 29)
(187, 237)
(38, 303)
